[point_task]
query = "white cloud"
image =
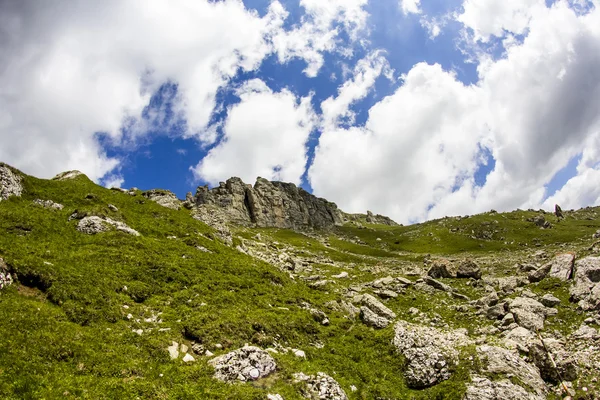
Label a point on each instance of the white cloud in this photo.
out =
(265, 135)
(495, 17)
(410, 6)
(319, 32)
(113, 181)
(580, 191)
(534, 109)
(73, 68)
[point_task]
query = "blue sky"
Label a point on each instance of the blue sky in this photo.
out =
(414, 109)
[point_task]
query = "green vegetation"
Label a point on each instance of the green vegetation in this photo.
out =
(70, 324)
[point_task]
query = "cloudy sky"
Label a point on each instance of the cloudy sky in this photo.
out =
(411, 108)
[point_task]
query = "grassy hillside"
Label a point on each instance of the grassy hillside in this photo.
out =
(91, 316)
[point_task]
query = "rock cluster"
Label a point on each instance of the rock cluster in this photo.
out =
(269, 204)
(5, 277)
(321, 386)
(246, 364)
(429, 352)
(93, 224)
(10, 183)
(49, 204)
(165, 198)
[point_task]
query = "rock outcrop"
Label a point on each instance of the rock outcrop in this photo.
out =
(321, 386)
(5, 277)
(63, 176)
(165, 198)
(269, 204)
(586, 288)
(246, 364)
(93, 224)
(10, 183)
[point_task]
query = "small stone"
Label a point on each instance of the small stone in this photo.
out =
(188, 358)
(299, 353)
(173, 350)
(549, 300)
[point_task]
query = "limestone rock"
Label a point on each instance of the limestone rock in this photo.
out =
(10, 183)
(370, 318)
(165, 198)
(321, 386)
(565, 363)
(429, 352)
(468, 269)
(586, 288)
(482, 388)
(549, 300)
(246, 364)
(49, 204)
(63, 176)
(93, 224)
(5, 277)
(437, 284)
(560, 267)
(499, 361)
(528, 313)
(269, 204)
(442, 269)
(377, 307)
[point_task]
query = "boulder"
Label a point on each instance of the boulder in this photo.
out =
(560, 267)
(437, 284)
(586, 288)
(528, 313)
(165, 198)
(246, 364)
(370, 318)
(442, 269)
(93, 225)
(566, 364)
(377, 307)
(468, 269)
(321, 386)
(482, 388)
(10, 183)
(549, 300)
(429, 352)
(49, 204)
(497, 361)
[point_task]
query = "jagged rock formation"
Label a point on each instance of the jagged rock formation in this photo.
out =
(268, 204)
(10, 183)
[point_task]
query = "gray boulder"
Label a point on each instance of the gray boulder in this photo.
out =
(93, 225)
(468, 269)
(246, 364)
(10, 183)
(586, 288)
(442, 269)
(528, 313)
(321, 386)
(377, 307)
(165, 198)
(429, 352)
(437, 284)
(49, 204)
(370, 318)
(549, 300)
(560, 267)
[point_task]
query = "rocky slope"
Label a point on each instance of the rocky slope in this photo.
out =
(127, 294)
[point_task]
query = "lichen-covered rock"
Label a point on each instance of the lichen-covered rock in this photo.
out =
(165, 198)
(93, 224)
(10, 183)
(586, 288)
(5, 277)
(429, 352)
(63, 176)
(246, 364)
(482, 388)
(497, 361)
(468, 269)
(270, 204)
(49, 204)
(528, 313)
(442, 269)
(321, 386)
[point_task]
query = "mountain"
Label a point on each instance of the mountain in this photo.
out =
(266, 291)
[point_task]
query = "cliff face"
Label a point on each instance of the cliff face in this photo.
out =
(268, 204)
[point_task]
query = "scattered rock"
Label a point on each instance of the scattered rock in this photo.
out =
(92, 225)
(549, 300)
(63, 176)
(10, 183)
(48, 204)
(429, 352)
(5, 277)
(437, 284)
(482, 388)
(370, 318)
(586, 288)
(321, 386)
(377, 307)
(165, 198)
(246, 364)
(468, 269)
(442, 269)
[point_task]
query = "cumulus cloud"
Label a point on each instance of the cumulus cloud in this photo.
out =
(410, 6)
(533, 109)
(265, 135)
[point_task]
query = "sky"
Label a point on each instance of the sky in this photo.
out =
(415, 109)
